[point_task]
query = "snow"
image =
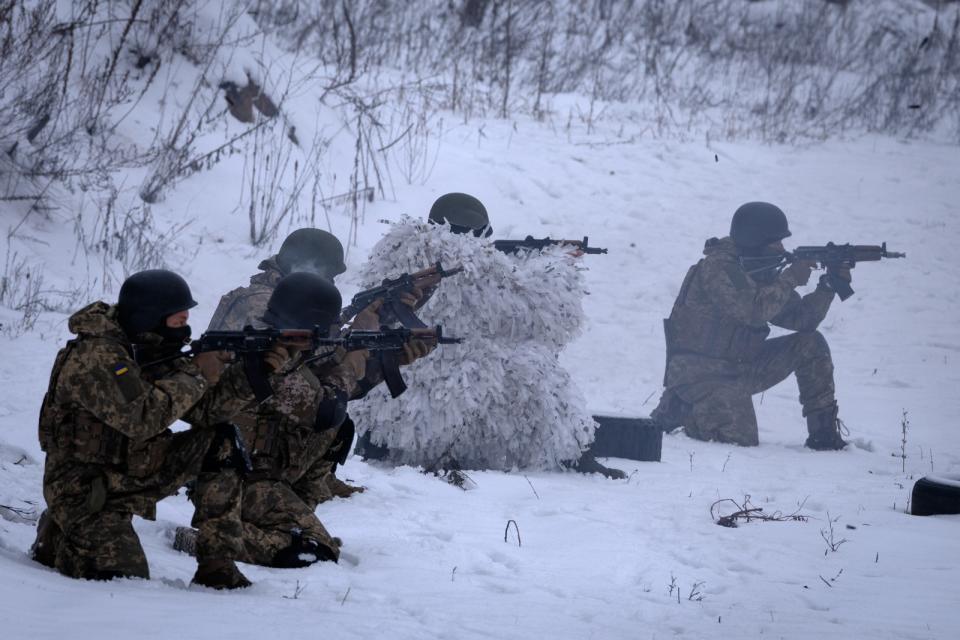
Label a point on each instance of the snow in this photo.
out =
(589, 557)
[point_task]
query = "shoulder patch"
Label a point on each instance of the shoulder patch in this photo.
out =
(129, 384)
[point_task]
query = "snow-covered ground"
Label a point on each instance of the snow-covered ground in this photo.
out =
(590, 557)
(587, 557)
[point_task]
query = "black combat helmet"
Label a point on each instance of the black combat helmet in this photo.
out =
(311, 250)
(302, 300)
(148, 297)
(756, 224)
(463, 212)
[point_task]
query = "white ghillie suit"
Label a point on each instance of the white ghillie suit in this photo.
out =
(500, 400)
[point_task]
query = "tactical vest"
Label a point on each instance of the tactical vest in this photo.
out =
(284, 446)
(694, 331)
(73, 432)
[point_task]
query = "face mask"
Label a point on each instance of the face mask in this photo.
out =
(762, 264)
(178, 336)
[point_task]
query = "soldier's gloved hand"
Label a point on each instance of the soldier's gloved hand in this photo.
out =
(800, 271)
(414, 350)
(836, 278)
(369, 318)
(356, 363)
(276, 358)
(212, 364)
(843, 273)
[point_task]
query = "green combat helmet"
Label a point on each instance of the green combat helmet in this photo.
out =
(464, 214)
(756, 224)
(148, 297)
(303, 300)
(312, 250)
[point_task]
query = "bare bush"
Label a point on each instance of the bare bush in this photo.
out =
(777, 71)
(23, 289)
(745, 511)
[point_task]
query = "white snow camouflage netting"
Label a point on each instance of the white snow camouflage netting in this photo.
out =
(499, 400)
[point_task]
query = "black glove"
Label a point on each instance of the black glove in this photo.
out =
(838, 279)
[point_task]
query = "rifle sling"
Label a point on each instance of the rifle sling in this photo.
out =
(257, 375)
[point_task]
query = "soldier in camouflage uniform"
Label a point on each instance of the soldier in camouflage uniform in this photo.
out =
(312, 251)
(104, 426)
(304, 250)
(718, 354)
(294, 436)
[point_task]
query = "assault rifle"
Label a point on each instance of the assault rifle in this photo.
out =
(830, 256)
(390, 290)
(250, 344)
(513, 246)
(387, 343)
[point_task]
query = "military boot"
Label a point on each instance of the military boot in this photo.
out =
(588, 464)
(825, 430)
(220, 573)
(304, 551)
(672, 412)
(341, 489)
(44, 549)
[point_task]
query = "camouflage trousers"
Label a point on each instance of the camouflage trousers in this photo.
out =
(716, 394)
(88, 531)
(273, 514)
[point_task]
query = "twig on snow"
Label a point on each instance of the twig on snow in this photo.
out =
(746, 512)
(515, 528)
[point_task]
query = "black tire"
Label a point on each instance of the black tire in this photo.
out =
(933, 495)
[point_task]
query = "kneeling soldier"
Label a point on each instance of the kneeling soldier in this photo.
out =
(718, 354)
(114, 391)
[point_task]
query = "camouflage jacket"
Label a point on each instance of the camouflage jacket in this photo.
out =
(721, 316)
(103, 408)
(246, 305)
(289, 432)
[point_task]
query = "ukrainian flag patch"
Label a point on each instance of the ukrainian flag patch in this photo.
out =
(120, 369)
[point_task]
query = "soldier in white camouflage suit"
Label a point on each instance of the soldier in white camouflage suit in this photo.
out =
(501, 399)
